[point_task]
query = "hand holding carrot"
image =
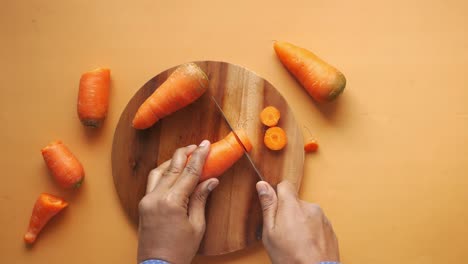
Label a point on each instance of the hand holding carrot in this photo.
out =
(172, 213)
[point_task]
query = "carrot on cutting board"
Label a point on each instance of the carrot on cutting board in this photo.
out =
(93, 97)
(275, 138)
(224, 153)
(321, 80)
(186, 84)
(64, 166)
(311, 145)
(44, 209)
(270, 116)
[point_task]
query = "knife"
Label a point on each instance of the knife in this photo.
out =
(220, 110)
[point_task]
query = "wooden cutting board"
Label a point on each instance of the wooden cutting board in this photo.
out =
(233, 213)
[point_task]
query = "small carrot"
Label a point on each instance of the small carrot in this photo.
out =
(321, 80)
(270, 116)
(311, 145)
(63, 165)
(46, 207)
(224, 153)
(93, 97)
(275, 138)
(186, 84)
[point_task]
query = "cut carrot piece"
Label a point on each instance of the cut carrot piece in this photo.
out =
(44, 209)
(311, 145)
(186, 84)
(270, 116)
(224, 153)
(275, 138)
(93, 97)
(64, 166)
(321, 80)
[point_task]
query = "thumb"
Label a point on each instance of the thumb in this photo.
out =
(269, 203)
(197, 202)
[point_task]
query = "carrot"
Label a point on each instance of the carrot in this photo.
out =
(275, 138)
(46, 207)
(93, 97)
(64, 166)
(186, 84)
(224, 153)
(270, 116)
(321, 80)
(311, 145)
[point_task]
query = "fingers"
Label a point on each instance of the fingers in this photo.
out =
(198, 202)
(177, 165)
(286, 192)
(155, 175)
(269, 203)
(190, 176)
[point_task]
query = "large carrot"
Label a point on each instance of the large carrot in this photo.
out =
(63, 165)
(321, 80)
(93, 97)
(44, 209)
(186, 84)
(224, 153)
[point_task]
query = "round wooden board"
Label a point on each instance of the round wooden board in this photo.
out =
(233, 213)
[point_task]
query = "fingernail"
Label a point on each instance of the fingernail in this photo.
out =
(212, 185)
(204, 143)
(262, 188)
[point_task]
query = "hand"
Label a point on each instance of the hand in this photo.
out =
(172, 214)
(295, 231)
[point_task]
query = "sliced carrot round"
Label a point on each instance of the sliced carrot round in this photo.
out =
(311, 145)
(270, 116)
(275, 138)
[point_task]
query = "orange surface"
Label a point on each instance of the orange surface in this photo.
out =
(392, 167)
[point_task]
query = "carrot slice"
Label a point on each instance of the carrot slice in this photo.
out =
(311, 145)
(321, 80)
(186, 84)
(46, 207)
(270, 116)
(224, 153)
(93, 97)
(275, 138)
(64, 166)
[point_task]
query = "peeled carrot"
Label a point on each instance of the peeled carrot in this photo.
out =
(311, 145)
(63, 165)
(270, 116)
(46, 207)
(275, 138)
(186, 84)
(224, 153)
(321, 80)
(93, 97)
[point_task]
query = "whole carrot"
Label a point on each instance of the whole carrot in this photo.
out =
(93, 97)
(321, 80)
(46, 207)
(186, 84)
(224, 153)
(63, 165)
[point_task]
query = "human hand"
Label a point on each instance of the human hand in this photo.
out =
(295, 231)
(172, 213)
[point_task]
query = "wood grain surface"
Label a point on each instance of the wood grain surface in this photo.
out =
(233, 210)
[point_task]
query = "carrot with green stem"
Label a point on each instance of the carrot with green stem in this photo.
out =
(270, 116)
(275, 138)
(224, 153)
(321, 80)
(64, 166)
(46, 207)
(186, 84)
(93, 97)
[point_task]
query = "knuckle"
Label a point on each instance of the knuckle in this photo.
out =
(173, 170)
(144, 205)
(192, 170)
(315, 209)
(200, 196)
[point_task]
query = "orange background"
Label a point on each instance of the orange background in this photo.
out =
(392, 169)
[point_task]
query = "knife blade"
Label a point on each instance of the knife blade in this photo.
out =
(220, 110)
